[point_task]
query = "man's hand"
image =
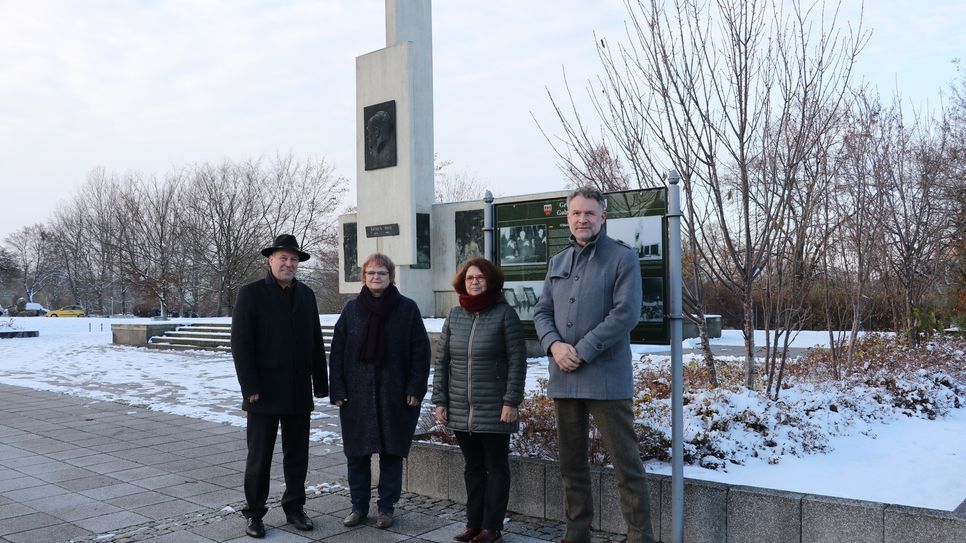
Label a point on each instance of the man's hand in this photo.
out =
(412, 401)
(340, 403)
(565, 356)
(442, 414)
(253, 398)
(509, 414)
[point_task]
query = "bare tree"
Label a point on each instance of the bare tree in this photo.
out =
(71, 246)
(303, 198)
(8, 270)
(919, 222)
(599, 168)
(956, 190)
(149, 242)
(83, 235)
(735, 95)
(454, 187)
(796, 261)
(30, 250)
(300, 198)
(100, 199)
(221, 204)
(858, 199)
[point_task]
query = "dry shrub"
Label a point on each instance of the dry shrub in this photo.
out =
(875, 353)
(538, 429)
(538, 425)
(918, 380)
(655, 381)
(427, 429)
(538, 432)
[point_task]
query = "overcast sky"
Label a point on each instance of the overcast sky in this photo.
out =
(153, 85)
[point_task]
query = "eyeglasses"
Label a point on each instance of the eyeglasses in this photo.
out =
(473, 278)
(377, 273)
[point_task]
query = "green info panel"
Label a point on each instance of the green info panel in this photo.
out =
(529, 233)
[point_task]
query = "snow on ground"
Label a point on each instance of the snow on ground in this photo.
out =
(909, 461)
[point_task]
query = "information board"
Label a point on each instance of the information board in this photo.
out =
(528, 233)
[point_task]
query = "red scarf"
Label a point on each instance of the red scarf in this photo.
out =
(480, 302)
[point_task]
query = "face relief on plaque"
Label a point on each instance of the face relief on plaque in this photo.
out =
(379, 123)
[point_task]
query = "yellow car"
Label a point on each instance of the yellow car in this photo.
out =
(68, 311)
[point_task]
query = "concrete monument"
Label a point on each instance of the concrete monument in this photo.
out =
(394, 154)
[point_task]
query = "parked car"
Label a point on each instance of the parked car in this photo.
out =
(30, 309)
(145, 310)
(68, 311)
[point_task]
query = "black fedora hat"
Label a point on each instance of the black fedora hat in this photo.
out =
(287, 242)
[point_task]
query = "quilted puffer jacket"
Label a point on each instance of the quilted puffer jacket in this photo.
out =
(481, 365)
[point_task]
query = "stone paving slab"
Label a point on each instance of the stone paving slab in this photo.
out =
(77, 470)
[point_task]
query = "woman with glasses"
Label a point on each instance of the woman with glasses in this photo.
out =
(478, 383)
(378, 372)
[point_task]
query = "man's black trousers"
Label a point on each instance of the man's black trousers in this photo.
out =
(262, 429)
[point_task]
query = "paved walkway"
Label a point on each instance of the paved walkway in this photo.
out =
(75, 469)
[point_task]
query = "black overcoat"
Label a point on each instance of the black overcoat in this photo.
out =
(376, 418)
(277, 348)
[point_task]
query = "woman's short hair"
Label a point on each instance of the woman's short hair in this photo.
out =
(494, 275)
(379, 259)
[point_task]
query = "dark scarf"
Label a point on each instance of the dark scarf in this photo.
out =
(480, 302)
(376, 309)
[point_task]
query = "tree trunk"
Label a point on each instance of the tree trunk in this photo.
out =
(749, 332)
(706, 355)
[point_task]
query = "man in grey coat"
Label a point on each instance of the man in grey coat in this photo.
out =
(591, 300)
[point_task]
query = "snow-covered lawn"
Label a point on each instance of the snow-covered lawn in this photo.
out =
(869, 453)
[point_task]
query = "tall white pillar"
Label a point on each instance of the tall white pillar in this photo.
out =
(394, 150)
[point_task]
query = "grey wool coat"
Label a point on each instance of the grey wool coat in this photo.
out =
(277, 348)
(591, 299)
(376, 419)
(481, 365)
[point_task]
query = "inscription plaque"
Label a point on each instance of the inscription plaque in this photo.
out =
(382, 230)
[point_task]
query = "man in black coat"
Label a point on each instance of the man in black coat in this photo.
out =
(276, 342)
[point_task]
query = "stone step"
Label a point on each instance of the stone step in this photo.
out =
(210, 329)
(182, 347)
(191, 342)
(210, 336)
(193, 334)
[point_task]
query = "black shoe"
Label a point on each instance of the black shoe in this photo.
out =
(255, 528)
(300, 520)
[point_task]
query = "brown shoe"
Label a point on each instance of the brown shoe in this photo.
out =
(467, 535)
(488, 536)
(354, 519)
(383, 520)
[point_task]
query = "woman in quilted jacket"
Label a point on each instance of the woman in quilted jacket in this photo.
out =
(478, 382)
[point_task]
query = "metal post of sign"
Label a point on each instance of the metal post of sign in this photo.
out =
(677, 374)
(488, 226)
